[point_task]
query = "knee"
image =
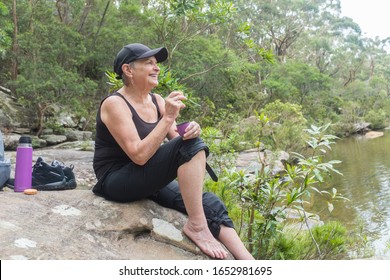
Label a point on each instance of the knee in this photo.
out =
(201, 155)
(193, 147)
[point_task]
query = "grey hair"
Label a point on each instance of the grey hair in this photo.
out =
(126, 80)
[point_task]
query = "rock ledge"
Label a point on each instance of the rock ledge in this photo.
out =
(77, 225)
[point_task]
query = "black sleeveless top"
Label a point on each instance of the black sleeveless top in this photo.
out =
(108, 154)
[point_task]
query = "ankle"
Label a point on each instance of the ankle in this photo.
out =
(197, 225)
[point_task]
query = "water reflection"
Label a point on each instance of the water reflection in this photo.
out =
(366, 182)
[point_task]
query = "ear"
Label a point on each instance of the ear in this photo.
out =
(127, 70)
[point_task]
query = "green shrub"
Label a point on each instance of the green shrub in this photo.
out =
(377, 118)
(295, 244)
(259, 200)
(285, 126)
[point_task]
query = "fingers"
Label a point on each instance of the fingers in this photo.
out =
(193, 130)
(176, 96)
(175, 99)
(173, 103)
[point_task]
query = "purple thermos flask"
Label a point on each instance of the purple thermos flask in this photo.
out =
(23, 166)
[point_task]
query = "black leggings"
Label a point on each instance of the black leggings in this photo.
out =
(156, 180)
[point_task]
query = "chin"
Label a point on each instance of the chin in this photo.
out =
(154, 84)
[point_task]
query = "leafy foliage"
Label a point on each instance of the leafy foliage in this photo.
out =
(5, 27)
(230, 57)
(285, 126)
(255, 73)
(262, 202)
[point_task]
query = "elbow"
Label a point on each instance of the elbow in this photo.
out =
(139, 159)
(138, 155)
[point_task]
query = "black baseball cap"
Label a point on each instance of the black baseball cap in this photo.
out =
(135, 51)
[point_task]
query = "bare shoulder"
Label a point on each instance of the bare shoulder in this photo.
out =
(112, 99)
(114, 108)
(113, 102)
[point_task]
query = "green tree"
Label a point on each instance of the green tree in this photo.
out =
(285, 122)
(50, 53)
(219, 52)
(299, 83)
(5, 27)
(182, 21)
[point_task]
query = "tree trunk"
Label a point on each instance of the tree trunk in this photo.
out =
(372, 68)
(100, 24)
(87, 8)
(15, 45)
(63, 11)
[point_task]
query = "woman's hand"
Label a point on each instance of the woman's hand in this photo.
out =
(173, 104)
(192, 131)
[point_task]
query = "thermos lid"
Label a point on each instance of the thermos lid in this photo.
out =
(25, 140)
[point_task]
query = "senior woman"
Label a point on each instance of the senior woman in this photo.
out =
(131, 163)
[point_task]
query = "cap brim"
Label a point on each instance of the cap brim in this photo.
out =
(161, 54)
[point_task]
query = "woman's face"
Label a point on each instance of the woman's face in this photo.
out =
(145, 72)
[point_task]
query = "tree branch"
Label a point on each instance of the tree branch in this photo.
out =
(205, 71)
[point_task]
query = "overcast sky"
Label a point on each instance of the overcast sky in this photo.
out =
(373, 16)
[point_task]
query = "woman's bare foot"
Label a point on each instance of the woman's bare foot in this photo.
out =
(203, 238)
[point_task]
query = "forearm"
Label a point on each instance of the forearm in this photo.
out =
(148, 146)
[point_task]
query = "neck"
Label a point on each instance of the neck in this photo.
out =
(132, 93)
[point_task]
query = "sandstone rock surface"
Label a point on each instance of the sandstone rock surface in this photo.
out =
(374, 134)
(77, 225)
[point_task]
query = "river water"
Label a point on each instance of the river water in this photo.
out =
(366, 183)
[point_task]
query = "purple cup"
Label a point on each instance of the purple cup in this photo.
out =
(181, 127)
